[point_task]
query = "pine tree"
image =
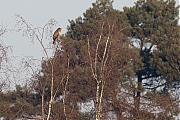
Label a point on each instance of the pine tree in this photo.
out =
(104, 27)
(155, 28)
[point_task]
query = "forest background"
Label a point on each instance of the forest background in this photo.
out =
(110, 64)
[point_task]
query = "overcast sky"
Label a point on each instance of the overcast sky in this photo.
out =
(38, 12)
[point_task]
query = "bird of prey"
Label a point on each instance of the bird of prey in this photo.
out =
(56, 35)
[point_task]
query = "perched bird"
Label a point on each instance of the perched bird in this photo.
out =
(56, 35)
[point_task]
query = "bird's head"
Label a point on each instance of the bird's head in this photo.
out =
(60, 29)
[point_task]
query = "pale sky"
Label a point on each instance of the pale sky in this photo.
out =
(38, 12)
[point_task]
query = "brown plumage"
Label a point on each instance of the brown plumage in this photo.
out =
(56, 35)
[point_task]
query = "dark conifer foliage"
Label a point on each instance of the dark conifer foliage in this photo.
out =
(155, 28)
(126, 64)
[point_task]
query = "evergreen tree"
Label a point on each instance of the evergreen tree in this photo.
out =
(18, 103)
(155, 28)
(151, 55)
(101, 22)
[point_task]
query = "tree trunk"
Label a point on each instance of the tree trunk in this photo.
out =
(97, 101)
(137, 96)
(42, 102)
(64, 92)
(52, 88)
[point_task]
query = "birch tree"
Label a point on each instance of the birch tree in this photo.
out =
(40, 34)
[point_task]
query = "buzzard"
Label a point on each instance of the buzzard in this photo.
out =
(56, 35)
